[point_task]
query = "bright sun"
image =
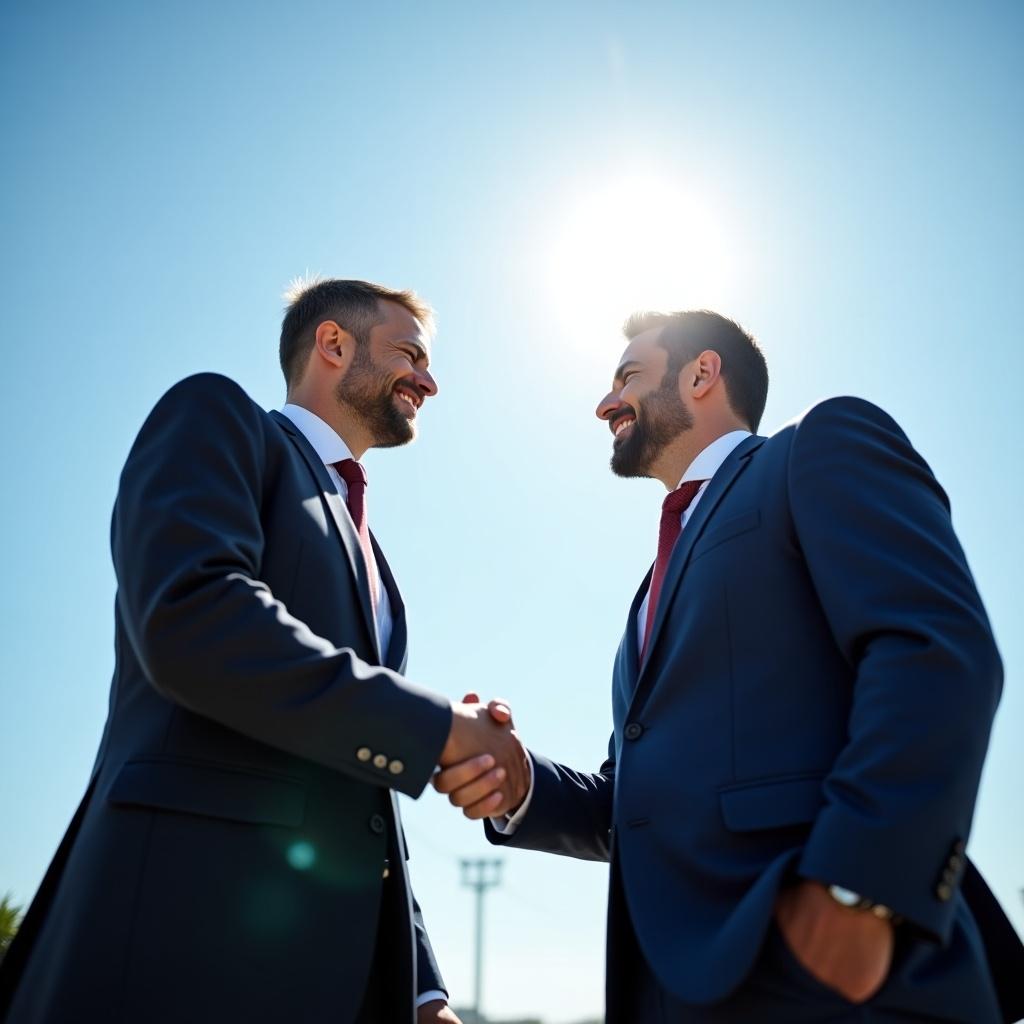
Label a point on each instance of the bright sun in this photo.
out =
(639, 242)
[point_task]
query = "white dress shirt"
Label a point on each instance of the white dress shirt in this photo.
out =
(704, 467)
(331, 448)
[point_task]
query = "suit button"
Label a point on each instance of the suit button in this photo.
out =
(634, 731)
(380, 761)
(944, 892)
(364, 754)
(376, 823)
(959, 847)
(396, 767)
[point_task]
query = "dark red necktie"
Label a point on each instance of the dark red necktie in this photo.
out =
(677, 502)
(354, 475)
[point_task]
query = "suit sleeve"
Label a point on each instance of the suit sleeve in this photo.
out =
(187, 542)
(875, 530)
(570, 811)
(428, 974)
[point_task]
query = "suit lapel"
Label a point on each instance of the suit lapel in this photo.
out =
(710, 499)
(629, 650)
(395, 655)
(342, 520)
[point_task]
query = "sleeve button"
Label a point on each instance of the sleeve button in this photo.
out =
(363, 754)
(380, 761)
(396, 767)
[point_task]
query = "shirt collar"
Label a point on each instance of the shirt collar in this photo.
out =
(708, 463)
(322, 436)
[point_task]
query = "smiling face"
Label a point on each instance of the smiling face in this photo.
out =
(388, 379)
(644, 410)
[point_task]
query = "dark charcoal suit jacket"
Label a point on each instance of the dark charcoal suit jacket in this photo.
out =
(817, 699)
(227, 860)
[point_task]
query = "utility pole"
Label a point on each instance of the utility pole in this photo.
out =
(480, 875)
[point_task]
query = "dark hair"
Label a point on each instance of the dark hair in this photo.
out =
(687, 333)
(355, 305)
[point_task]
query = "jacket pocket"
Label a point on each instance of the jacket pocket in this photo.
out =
(772, 803)
(719, 533)
(209, 790)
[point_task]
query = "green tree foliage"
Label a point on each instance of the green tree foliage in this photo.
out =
(10, 918)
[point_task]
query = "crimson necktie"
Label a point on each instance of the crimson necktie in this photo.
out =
(677, 502)
(354, 475)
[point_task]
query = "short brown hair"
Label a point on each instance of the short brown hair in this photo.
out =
(355, 305)
(689, 332)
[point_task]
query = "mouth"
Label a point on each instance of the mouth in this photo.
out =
(622, 424)
(408, 398)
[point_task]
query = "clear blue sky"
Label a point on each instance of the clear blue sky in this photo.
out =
(166, 169)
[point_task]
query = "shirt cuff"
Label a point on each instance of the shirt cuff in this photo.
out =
(429, 997)
(507, 824)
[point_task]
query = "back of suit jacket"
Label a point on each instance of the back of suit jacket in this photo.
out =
(228, 859)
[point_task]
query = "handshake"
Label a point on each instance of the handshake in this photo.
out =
(485, 769)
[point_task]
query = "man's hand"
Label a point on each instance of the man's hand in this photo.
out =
(437, 1011)
(486, 767)
(847, 950)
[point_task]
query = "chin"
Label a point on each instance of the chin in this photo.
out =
(396, 438)
(629, 460)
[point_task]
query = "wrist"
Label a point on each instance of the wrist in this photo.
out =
(450, 750)
(854, 901)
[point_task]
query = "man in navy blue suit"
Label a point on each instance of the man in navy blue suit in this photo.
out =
(238, 854)
(802, 703)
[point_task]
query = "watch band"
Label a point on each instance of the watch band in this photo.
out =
(854, 901)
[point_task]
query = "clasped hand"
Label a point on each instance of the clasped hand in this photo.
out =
(485, 767)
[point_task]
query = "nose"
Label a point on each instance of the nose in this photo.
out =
(426, 383)
(608, 406)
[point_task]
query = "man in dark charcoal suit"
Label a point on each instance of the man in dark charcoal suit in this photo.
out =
(802, 703)
(238, 854)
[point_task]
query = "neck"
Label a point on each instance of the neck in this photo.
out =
(677, 457)
(337, 416)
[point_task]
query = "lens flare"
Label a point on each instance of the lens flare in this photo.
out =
(301, 855)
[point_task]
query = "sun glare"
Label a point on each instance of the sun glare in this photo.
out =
(639, 242)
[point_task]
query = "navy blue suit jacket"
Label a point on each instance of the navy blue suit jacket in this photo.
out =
(817, 699)
(227, 860)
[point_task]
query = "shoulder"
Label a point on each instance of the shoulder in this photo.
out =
(206, 397)
(851, 439)
(844, 412)
(842, 422)
(207, 387)
(202, 407)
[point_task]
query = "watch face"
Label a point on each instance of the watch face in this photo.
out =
(847, 897)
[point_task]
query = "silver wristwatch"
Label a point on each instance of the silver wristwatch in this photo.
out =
(854, 901)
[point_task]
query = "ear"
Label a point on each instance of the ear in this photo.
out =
(334, 345)
(702, 374)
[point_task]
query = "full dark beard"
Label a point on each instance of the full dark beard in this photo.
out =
(368, 391)
(664, 419)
